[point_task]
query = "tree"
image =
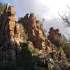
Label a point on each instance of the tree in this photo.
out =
(25, 59)
(66, 45)
(64, 39)
(65, 18)
(2, 7)
(44, 30)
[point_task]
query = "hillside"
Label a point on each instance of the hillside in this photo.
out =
(23, 45)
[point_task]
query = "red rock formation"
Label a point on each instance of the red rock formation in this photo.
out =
(34, 30)
(10, 30)
(54, 36)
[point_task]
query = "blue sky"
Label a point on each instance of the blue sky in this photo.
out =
(7, 1)
(43, 9)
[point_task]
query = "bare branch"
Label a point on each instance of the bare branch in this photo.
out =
(65, 19)
(68, 6)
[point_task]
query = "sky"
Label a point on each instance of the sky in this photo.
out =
(43, 9)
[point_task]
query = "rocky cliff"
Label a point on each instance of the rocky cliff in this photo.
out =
(11, 34)
(34, 29)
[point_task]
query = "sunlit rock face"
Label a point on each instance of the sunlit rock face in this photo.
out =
(11, 34)
(54, 36)
(34, 29)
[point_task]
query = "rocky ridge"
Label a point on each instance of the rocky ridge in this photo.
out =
(12, 36)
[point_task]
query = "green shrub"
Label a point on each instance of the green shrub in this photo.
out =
(66, 48)
(57, 66)
(56, 48)
(25, 58)
(62, 52)
(33, 50)
(7, 66)
(2, 7)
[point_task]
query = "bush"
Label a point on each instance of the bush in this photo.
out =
(62, 52)
(32, 49)
(25, 58)
(57, 66)
(7, 66)
(66, 48)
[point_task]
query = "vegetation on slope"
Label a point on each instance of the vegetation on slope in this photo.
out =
(27, 61)
(2, 7)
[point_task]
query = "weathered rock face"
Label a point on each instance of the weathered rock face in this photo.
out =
(54, 36)
(10, 31)
(34, 30)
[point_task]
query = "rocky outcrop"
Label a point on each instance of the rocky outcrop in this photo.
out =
(11, 34)
(54, 36)
(34, 29)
